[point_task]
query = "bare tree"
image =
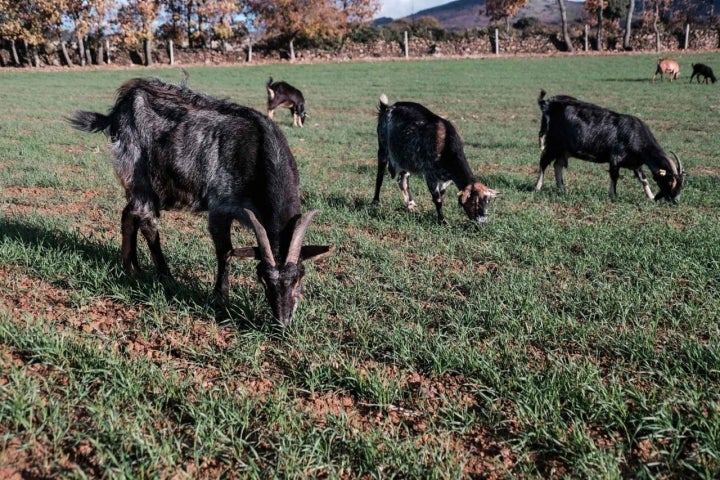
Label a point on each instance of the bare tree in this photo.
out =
(565, 33)
(628, 25)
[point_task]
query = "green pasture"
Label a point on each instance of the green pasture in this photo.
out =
(570, 337)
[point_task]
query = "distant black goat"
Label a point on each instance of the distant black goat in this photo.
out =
(175, 149)
(282, 94)
(412, 139)
(701, 70)
(571, 128)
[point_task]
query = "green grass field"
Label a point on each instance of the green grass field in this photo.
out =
(571, 336)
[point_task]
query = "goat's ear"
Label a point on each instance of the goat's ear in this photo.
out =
(316, 252)
(246, 253)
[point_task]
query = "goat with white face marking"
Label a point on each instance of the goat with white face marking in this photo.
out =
(282, 94)
(571, 128)
(413, 140)
(175, 149)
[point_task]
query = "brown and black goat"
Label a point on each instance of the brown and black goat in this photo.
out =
(572, 128)
(412, 139)
(282, 94)
(175, 149)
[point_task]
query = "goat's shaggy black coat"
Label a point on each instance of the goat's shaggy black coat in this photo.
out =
(176, 149)
(572, 128)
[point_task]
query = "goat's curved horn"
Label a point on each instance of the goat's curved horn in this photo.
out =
(262, 238)
(298, 236)
(681, 170)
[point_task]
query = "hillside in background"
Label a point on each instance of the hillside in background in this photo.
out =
(463, 14)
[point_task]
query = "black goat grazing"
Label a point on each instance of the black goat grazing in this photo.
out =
(571, 128)
(702, 70)
(282, 94)
(412, 139)
(175, 149)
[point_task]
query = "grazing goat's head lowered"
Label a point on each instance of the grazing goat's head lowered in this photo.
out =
(670, 179)
(475, 200)
(282, 280)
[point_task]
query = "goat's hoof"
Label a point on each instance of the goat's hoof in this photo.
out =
(219, 300)
(133, 270)
(165, 278)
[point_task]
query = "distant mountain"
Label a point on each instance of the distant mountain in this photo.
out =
(464, 14)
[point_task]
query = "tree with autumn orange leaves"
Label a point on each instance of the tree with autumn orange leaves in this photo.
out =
(310, 18)
(503, 9)
(135, 20)
(27, 22)
(86, 17)
(219, 15)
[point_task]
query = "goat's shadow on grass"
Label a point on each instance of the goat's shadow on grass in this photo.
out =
(635, 80)
(142, 287)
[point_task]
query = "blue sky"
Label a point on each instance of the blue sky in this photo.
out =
(403, 8)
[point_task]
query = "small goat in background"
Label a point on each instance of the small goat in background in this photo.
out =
(702, 70)
(669, 66)
(282, 94)
(412, 139)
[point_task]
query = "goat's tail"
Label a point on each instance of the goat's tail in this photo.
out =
(541, 99)
(542, 95)
(271, 92)
(89, 121)
(383, 106)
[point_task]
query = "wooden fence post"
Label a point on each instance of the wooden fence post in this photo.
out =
(497, 42)
(687, 35)
(586, 37)
(407, 51)
(171, 52)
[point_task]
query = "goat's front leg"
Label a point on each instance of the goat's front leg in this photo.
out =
(129, 226)
(559, 165)
(219, 226)
(404, 184)
(437, 190)
(297, 120)
(640, 175)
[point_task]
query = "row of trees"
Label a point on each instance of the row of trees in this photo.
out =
(652, 12)
(40, 24)
(31, 27)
